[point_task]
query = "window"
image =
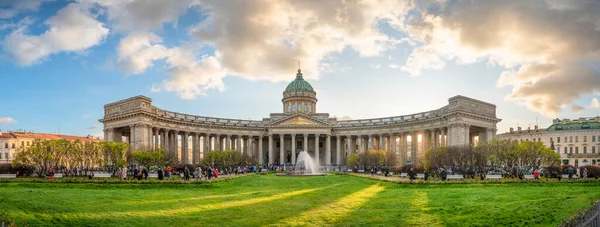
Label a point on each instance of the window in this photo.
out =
(310, 108)
(584, 139)
(27, 143)
(13, 146)
(305, 107)
(320, 144)
(576, 150)
(566, 139)
(576, 139)
(558, 139)
(570, 150)
(559, 127)
(22, 143)
(6, 155)
(585, 150)
(526, 140)
(565, 150)
(570, 139)
(585, 126)
(6, 145)
(593, 150)
(299, 107)
(593, 138)
(539, 139)
(293, 107)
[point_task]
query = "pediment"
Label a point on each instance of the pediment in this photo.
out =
(300, 120)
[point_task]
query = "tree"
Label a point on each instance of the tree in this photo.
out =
(352, 160)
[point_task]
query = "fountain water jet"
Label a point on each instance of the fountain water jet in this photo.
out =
(305, 166)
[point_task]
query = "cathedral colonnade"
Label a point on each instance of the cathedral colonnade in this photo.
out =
(279, 138)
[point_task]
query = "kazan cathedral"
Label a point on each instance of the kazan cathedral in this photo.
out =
(279, 138)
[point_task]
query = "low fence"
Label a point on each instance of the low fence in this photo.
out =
(587, 218)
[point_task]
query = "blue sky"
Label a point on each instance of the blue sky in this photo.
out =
(214, 59)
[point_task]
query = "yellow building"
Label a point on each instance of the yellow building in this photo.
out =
(577, 141)
(10, 142)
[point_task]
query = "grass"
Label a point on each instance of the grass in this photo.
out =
(337, 200)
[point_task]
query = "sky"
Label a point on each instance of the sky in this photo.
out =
(62, 61)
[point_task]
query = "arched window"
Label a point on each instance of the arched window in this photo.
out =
(299, 107)
(310, 108)
(585, 126)
(293, 107)
(305, 107)
(559, 127)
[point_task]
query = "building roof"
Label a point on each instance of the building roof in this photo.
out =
(574, 125)
(47, 136)
(299, 86)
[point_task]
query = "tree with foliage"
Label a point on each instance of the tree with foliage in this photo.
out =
(352, 160)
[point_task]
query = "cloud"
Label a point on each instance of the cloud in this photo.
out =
(7, 120)
(595, 104)
(12, 8)
(143, 15)
(393, 66)
(256, 40)
(376, 66)
(72, 29)
(546, 65)
(576, 108)
(95, 127)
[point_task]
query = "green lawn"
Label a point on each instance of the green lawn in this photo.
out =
(282, 201)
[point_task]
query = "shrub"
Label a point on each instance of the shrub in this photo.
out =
(592, 171)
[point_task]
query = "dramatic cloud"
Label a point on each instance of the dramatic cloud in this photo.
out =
(137, 52)
(7, 120)
(136, 15)
(73, 28)
(544, 45)
(576, 108)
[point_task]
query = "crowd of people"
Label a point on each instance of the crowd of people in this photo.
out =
(187, 174)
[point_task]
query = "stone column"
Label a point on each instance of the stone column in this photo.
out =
(305, 147)
(489, 135)
(467, 134)
(260, 150)
(328, 150)
(185, 148)
(132, 136)
(227, 142)
(381, 142)
(317, 159)
(415, 145)
(155, 143)
(282, 149)
(293, 149)
(338, 148)
(370, 143)
(432, 142)
(348, 150)
(109, 135)
(196, 149)
(238, 146)
(150, 137)
(165, 140)
(271, 156)
(444, 141)
(205, 145)
(217, 142)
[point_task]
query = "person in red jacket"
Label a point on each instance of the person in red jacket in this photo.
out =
(536, 174)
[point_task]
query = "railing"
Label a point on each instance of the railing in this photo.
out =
(589, 217)
(395, 119)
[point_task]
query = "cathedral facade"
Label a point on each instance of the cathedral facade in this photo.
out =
(299, 127)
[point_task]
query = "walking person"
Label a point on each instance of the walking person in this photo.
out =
(160, 174)
(186, 174)
(570, 172)
(169, 172)
(585, 173)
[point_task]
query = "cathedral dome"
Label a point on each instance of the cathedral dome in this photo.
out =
(299, 96)
(299, 87)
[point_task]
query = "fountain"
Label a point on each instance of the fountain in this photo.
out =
(305, 166)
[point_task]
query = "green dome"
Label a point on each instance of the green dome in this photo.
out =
(299, 86)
